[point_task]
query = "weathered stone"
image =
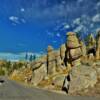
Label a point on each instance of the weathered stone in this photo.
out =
(91, 42)
(39, 74)
(37, 63)
(82, 78)
(58, 80)
(91, 46)
(72, 40)
(51, 64)
(97, 68)
(73, 52)
(83, 48)
(91, 57)
(59, 66)
(98, 45)
(62, 51)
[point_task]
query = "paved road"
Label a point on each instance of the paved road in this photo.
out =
(11, 90)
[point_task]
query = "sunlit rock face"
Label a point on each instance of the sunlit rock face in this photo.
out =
(83, 48)
(98, 45)
(59, 66)
(82, 78)
(62, 51)
(91, 42)
(73, 49)
(51, 64)
(39, 74)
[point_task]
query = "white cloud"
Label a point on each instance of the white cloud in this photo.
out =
(14, 19)
(54, 41)
(22, 9)
(96, 18)
(98, 4)
(50, 33)
(98, 29)
(66, 26)
(58, 35)
(79, 1)
(79, 28)
(77, 21)
(23, 20)
(92, 25)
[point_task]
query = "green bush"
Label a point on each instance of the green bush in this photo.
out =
(2, 72)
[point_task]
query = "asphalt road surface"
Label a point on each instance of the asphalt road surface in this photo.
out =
(10, 90)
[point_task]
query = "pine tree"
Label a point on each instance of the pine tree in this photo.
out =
(31, 58)
(26, 56)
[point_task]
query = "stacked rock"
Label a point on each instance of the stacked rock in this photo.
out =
(39, 74)
(91, 47)
(58, 60)
(73, 52)
(62, 51)
(51, 64)
(91, 42)
(98, 46)
(83, 48)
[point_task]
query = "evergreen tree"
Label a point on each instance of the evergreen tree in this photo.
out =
(26, 56)
(34, 57)
(31, 58)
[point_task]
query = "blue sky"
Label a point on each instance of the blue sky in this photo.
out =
(32, 25)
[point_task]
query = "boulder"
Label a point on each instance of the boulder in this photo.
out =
(82, 78)
(62, 51)
(73, 52)
(51, 63)
(97, 68)
(58, 80)
(59, 66)
(72, 40)
(37, 63)
(39, 74)
(91, 42)
(98, 45)
(83, 48)
(91, 57)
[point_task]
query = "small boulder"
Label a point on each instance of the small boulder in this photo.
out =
(83, 48)
(51, 63)
(62, 51)
(97, 68)
(39, 74)
(37, 63)
(73, 52)
(82, 78)
(58, 80)
(98, 45)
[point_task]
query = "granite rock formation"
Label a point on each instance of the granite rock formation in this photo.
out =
(51, 70)
(39, 74)
(73, 51)
(62, 51)
(91, 47)
(59, 62)
(98, 45)
(83, 49)
(51, 64)
(82, 78)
